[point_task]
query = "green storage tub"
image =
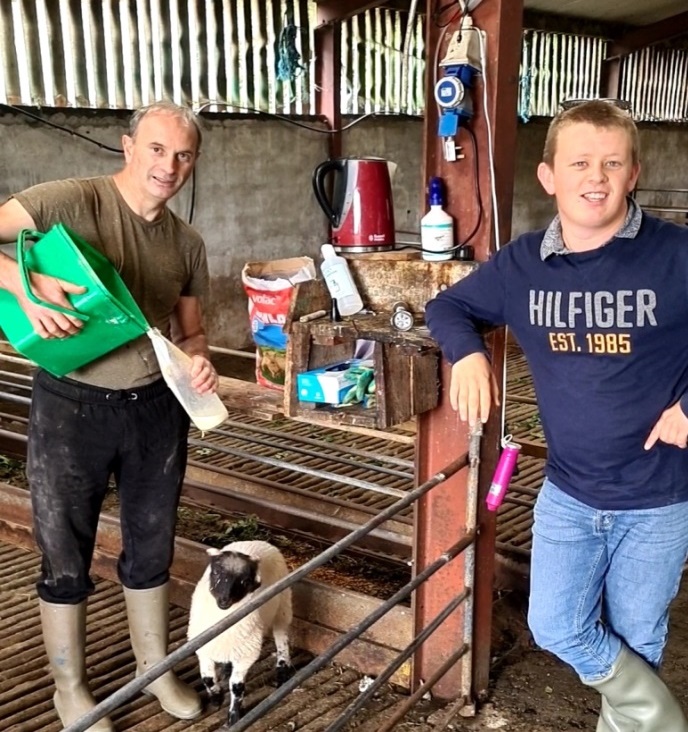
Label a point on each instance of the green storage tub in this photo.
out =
(110, 314)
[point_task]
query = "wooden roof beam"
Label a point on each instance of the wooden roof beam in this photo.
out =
(649, 35)
(333, 11)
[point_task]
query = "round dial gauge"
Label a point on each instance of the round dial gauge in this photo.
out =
(401, 318)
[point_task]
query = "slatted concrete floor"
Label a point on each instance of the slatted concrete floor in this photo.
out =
(384, 460)
(26, 686)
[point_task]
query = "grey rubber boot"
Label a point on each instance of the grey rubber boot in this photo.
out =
(148, 615)
(609, 721)
(64, 636)
(635, 699)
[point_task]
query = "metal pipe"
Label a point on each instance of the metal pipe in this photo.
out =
(319, 443)
(296, 468)
(510, 549)
(518, 501)
(526, 490)
(429, 629)
(285, 488)
(140, 682)
(405, 707)
(14, 417)
(324, 658)
(232, 352)
(13, 435)
(16, 359)
(472, 485)
(15, 385)
(265, 503)
(16, 399)
(310, 453)
(17, 375)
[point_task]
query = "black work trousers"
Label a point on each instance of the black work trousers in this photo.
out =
(80, 436)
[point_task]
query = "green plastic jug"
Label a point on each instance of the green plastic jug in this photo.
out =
(110, 314)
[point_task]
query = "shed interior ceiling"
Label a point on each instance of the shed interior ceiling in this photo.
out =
(618, 12)
(628, 12)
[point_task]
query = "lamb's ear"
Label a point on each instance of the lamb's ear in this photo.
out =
(212, 552)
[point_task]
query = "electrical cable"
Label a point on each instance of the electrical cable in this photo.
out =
(495, 212)
(192, 204)
(439, 11)
(119, 151)
(38, 118)
(490, 148)
(283, 118)
(478, 197)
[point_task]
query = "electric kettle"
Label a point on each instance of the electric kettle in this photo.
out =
(361, 210)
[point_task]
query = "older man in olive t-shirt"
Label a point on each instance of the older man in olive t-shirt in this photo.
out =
(116, 416)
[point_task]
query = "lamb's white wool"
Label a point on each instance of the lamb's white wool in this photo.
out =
(235, 572)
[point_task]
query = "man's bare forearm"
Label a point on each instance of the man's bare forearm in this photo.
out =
(9, 274)
(195, 345)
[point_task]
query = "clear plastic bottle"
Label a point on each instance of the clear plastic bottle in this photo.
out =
(206, 410)
(436, 227)
(340, 283)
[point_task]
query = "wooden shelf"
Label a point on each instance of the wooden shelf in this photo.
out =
(406, 363)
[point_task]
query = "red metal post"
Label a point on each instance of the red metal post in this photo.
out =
(441, 516)
(328, 80)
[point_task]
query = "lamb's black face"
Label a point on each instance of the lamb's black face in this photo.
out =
(232, 577)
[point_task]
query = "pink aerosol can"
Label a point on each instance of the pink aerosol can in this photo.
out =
(502, 475)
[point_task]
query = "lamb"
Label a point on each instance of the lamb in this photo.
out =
(234, 573)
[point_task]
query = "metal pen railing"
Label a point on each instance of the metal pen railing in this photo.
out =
(187, 649)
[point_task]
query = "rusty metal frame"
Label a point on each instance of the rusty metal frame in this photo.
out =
(264, 595)
(440, 434)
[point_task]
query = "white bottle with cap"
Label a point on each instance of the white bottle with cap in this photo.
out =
(339, 281)
(436, 227)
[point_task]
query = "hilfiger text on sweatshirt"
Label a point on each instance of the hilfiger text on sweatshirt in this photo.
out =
(621, 310)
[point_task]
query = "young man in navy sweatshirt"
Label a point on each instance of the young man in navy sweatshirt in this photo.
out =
(599, 303)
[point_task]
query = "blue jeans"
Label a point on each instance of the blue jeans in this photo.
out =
(600, 579)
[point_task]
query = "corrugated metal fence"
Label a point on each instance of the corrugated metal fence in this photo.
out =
(220, 54)
(559, 66)
(224, 55)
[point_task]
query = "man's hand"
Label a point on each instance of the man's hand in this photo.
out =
(671, 428)
(473, 388)
(46, 322)
(204, 378)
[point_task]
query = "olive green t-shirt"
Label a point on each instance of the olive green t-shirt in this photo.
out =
(159, 261)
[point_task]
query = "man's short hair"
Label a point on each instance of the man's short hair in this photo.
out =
(166, 107)
(603, 114)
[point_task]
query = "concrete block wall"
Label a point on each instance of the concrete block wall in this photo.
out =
(254, 198)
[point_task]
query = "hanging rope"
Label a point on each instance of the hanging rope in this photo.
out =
(289, 64)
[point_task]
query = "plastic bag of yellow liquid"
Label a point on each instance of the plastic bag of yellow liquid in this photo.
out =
(206, 410)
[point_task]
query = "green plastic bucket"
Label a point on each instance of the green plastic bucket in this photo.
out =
(110, 314)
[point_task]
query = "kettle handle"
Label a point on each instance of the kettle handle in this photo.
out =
(26, 282)
(319, 175)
